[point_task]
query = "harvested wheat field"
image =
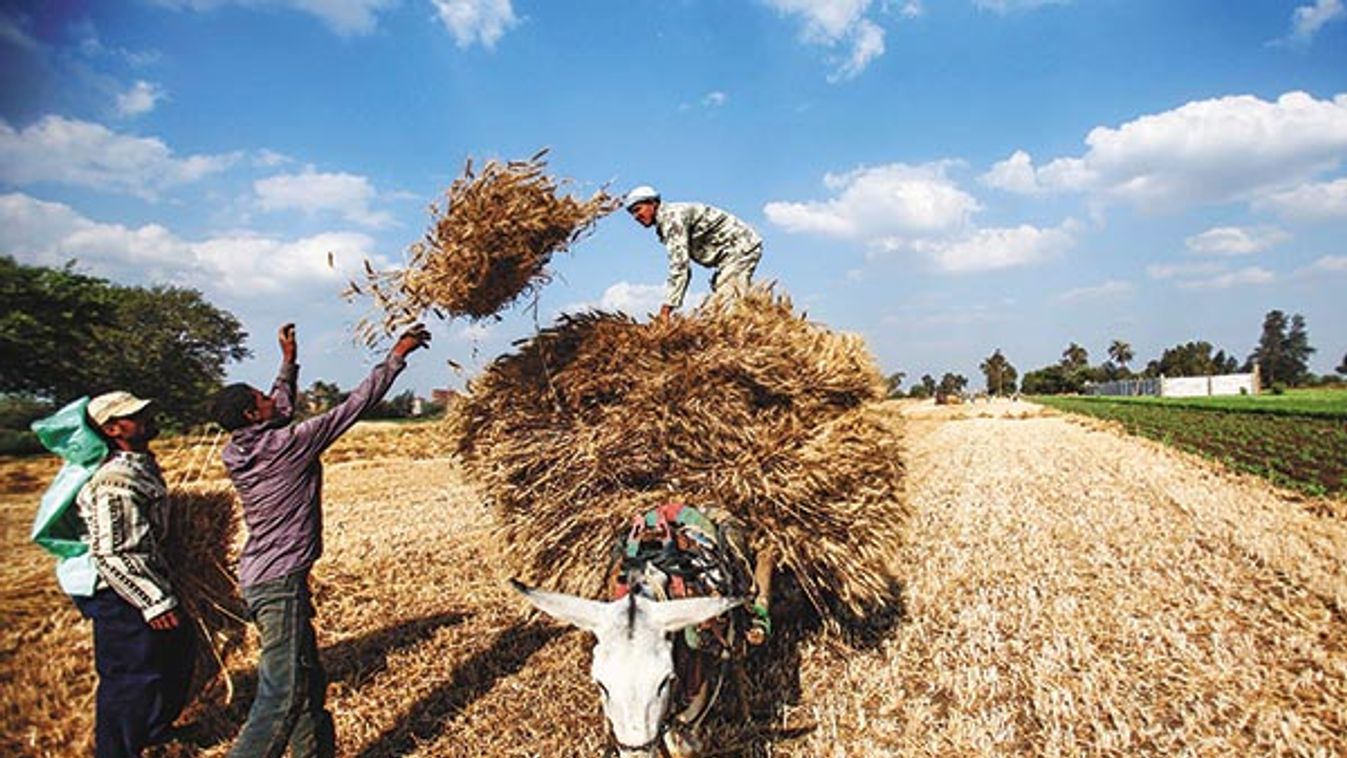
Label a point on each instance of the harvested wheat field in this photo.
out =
(1068, 590)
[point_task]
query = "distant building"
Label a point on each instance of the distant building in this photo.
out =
(444, 397)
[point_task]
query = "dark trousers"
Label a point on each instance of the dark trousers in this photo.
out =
(291, 684)
(143, 675)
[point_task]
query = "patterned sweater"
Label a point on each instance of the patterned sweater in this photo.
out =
(125, 510)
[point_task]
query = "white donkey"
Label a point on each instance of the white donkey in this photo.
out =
(633, 659)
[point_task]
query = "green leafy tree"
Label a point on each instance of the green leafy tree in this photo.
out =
(51, 318)
(1191, 359)
(928, 385)
(1052, 380)
(1283, 350)
(398, 406)
(1268, 355)
(951, 384)
(1298, 351)
(999, 373)
(1341, 370)
(894, 383)
(322, 396)
(67, 335)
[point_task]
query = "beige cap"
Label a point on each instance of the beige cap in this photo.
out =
(119, 404)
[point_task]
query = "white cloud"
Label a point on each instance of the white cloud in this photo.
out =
(637, 300)
(834, 23)
(1253, 275)
(867, 43)
(1236, 240)
(267, 158)
(348, 195)
(996, 248)
(1328, 264)
(715, 99)
(1307, 20)
(1211, 151)
(345, 17)
(1182, 270)
(1014, 174)
(912, 9)
(476, 21)
(634, 299)
(1010, 6)
(1109, 290)
(884, 201)
(140, 99)
(474, 332)
(12, 33)
(1308, 202)
(241, 264)
(66, 151)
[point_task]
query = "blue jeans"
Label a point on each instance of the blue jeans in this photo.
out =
(143, 675)
(291, 684)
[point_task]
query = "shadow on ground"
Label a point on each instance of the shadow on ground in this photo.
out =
(352, 662)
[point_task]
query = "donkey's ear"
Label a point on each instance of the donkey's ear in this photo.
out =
(672, 615)
(577, 611)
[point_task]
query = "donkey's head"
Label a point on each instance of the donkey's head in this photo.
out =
(633, 658)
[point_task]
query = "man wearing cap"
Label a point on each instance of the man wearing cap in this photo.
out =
(701, 233)
(276, 468)
(144, 648)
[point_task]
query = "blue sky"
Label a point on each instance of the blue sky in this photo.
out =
(944, 177)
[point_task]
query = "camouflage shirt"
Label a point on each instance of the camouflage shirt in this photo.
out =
(701, 233)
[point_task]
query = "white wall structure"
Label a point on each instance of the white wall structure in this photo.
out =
(1202, 386)
(1179, 386)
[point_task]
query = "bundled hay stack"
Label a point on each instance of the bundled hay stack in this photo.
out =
(488, 245)
(199, 551)
(744, 406)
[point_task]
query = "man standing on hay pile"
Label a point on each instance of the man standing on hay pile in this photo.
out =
(701, 233)
(276, 469)
(144, 648)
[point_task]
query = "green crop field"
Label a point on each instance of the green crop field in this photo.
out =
(1297, 440)
(1321, 403)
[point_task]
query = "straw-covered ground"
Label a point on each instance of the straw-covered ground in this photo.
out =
(1068, 590)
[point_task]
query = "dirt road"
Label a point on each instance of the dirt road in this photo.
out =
(1069, 590)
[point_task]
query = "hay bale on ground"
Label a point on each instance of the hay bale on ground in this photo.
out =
(487, 246)
(743, 405)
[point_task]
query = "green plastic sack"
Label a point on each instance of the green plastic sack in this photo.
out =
(57, 526)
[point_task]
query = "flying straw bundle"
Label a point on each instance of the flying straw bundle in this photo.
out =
(745, 406)
(202, 532)
(487, 246)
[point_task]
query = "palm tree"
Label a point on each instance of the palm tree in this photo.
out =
(1121, 353)
(1075, 356)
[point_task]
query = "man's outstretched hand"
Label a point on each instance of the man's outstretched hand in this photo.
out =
(415, 337)
(286, 338)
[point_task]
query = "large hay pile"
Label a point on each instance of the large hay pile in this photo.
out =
(487, 246)
(744, 405)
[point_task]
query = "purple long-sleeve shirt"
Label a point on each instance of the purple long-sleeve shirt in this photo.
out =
(277, 471)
